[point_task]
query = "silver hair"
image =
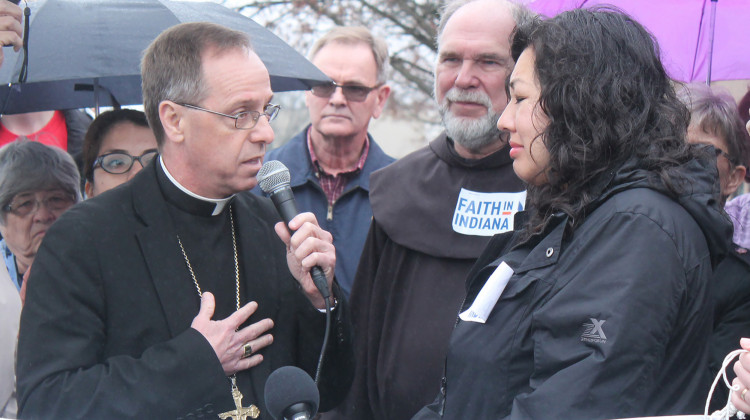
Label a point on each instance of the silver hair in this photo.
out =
(30, 166)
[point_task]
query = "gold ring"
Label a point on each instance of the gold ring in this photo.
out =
(247, 350)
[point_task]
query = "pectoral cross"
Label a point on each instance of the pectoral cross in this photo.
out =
(241, 413)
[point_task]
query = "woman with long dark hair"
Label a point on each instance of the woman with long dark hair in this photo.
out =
(598, 306)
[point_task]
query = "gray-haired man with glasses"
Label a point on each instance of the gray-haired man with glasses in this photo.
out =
(176, 294)
(331, 160)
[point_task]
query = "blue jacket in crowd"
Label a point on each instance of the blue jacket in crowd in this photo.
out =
(349, 218)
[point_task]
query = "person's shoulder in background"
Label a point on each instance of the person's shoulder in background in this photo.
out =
(738, 209)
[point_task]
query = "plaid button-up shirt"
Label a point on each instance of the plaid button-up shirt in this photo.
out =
(333, 185)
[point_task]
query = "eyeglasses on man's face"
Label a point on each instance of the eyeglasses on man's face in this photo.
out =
(244, 120)
(25, 204)
(355, 93)
(121, 162)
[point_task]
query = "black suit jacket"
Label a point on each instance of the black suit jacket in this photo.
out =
(105, 332)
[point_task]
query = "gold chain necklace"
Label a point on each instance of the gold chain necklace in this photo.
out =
(236, 263)
(240, 413)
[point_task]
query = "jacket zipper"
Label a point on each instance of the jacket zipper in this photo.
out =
(444, 379)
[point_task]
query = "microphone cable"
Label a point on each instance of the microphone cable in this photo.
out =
(325, 339)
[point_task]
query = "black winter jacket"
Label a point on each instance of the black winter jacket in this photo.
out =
(731, 286)
(609, 321)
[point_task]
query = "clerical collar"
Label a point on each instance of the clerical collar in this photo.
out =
(191, 201)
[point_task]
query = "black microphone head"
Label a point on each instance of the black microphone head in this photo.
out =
(287, 386)
(272, 176)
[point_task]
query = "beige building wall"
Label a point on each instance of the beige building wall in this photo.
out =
(400, 137)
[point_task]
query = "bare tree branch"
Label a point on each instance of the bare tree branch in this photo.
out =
(409, 27)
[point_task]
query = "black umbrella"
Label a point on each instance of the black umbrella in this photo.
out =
(86, 53)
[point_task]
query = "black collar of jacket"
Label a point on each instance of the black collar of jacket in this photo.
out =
(540, 249)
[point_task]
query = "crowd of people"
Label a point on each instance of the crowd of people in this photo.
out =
(568, 248)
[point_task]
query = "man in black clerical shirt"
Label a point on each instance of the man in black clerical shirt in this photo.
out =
(171, 296)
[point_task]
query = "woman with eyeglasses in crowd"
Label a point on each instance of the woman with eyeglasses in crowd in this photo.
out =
(738, 207)
(715, 121)
(118, 144)
(37, 184)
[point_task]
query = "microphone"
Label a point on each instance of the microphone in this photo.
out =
(291, 394)
(274, 179)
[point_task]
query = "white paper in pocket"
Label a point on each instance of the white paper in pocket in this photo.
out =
(488, 296)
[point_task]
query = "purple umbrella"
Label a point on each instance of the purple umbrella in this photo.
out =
(694, 47)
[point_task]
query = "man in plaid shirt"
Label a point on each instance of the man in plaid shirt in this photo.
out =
(331, 160)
